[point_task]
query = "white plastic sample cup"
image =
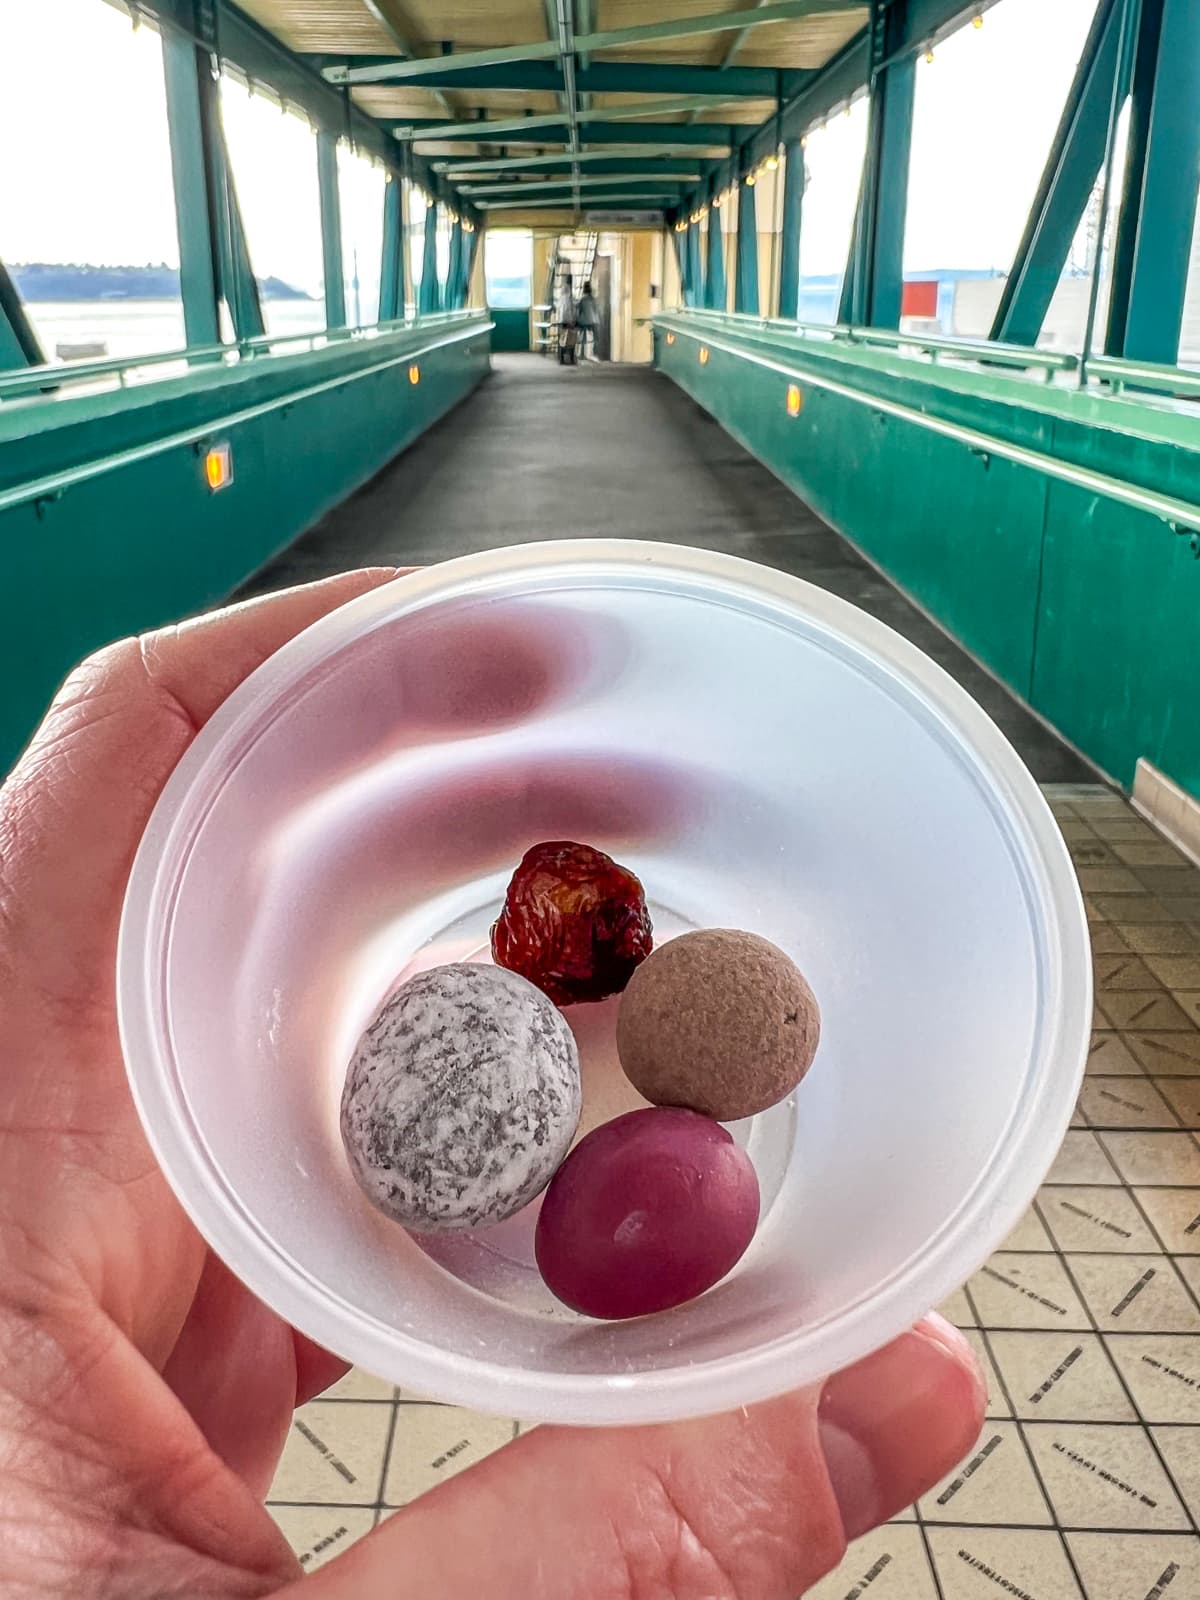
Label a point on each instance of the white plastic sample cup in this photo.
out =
(764, 756)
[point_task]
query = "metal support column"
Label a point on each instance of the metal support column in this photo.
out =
(19, 346)
(1066, 184)
(184, 65)
(455, 285)
(873, 288)
(693, 288)
(680, 242)
(430, 298)
(745, 285)
(1151, 257)
(331, 229)
(716, 293)
(392, 288)
(214, 259)
(789, 238)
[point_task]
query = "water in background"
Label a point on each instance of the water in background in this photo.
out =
(146, 327)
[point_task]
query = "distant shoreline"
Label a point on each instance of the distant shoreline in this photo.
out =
(38, 282)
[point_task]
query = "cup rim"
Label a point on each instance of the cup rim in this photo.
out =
(808, 1353)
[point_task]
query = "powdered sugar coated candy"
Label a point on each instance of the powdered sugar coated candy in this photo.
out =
(461, 1099)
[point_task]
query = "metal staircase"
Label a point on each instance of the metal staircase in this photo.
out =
(574, 257)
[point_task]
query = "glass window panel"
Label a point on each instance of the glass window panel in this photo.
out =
(508, 267)
(985, 114)
(418, 204)
(87, 207)
(361, 185)
(833, 162)
(273, 156)
(1189, 341)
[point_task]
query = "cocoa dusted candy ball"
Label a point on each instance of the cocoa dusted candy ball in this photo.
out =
(718, 1021)
(462, 1098)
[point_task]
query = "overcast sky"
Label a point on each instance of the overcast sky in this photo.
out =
(94, 182)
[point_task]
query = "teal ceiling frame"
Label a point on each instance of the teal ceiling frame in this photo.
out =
(718, 135)
(402, 42)
(564, 204)
(499, 130)
(601, 77)
(648, 158)
(808, 98)
(294, 78)
(661, 182)
(400, 70)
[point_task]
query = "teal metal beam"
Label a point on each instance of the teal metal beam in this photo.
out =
(393, 292)
(401, 40)
(789, 234)
(295, 78)
(745, 283)
(643, 157)
(451, 299)
(490, 131)
(716, 292)
(739, 39)
(1153, 256)
(19, 344)
(681, 262)
(631, 181)
(613, 38)
(195, 200)
(715, 136)
(807, 99)
(331, 230)
(1066, 184)
(430, 300)
(214, 256)
(694, 288)
(601, 77)
(562, 206)
(561, 166)
(873, 286)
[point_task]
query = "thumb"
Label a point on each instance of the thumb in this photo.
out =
(757, 1505)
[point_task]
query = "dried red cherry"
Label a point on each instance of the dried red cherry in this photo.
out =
(574, 923)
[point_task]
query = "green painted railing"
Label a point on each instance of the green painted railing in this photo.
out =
(107, 518)
(982, 351)
(1176, 381)
(1053, 528)
(55, 375)
(1181, 516)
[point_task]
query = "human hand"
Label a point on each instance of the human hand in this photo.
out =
(145, 1395)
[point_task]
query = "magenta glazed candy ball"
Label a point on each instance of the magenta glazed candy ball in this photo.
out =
(647, 1211)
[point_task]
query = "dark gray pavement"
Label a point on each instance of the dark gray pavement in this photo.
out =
(543, 452)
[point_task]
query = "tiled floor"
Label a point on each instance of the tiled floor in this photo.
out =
(1085, 1484)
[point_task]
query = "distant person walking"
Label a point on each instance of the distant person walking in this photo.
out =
(588, 318)
(565, 316)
